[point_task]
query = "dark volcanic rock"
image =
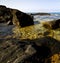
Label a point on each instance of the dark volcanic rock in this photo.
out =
(25, 20)
(16, 17)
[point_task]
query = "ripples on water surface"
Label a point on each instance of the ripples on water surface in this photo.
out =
(51, 17)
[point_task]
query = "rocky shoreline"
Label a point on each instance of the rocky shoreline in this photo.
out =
(30, 44)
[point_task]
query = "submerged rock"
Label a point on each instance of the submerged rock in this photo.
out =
(14, 16)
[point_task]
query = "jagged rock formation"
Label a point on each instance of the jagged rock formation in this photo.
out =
(40, 50)
(14, 16)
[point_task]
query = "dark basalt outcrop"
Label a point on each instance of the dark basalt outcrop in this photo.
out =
(25, 20)
(14, 16)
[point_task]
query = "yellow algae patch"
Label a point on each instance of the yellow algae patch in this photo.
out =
(35, 31)
(55, 58)
(30, 32)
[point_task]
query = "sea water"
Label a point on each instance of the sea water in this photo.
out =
(52, 17)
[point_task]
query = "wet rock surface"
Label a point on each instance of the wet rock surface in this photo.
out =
(31, 44)
(42, 50)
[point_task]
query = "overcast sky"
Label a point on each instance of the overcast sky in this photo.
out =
(33, 5)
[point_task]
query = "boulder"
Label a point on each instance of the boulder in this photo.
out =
(55, 24)
(14, 17)
(47, 24)
(25, 19)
